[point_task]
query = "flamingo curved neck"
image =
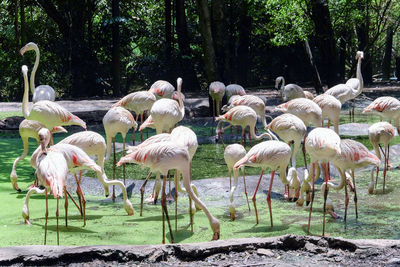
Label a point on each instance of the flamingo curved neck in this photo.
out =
(359, 77)
(282, 174)
(257, 137)
(35, 66)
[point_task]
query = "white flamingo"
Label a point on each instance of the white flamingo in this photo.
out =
(272, 154)
(162, 89)
(386, 107)
(308, 111)
(234, 89)
(165, 156)
(28, 129)
(330, 107)
(217, 92)
(42, 92)
(289, 91)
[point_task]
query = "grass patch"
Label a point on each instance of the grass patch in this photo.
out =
(6, 114)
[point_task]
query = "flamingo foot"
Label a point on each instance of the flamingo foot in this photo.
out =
(216, 236)
(333, 214)
(233, 217)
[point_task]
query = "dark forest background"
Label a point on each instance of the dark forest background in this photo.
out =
(107, 48)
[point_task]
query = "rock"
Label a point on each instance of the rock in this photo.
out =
(266, 252)
(393, 262)
(332, 253)
(310, 247)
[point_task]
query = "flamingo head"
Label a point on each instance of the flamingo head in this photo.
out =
(27, 47)
(278, 81)
(359, 55)
(24, 69)
(44, 138)
(59, 129)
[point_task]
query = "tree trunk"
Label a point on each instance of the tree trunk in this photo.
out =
(387, 58)
(116, 71)
(397, 58)
(325, 40)
(363, 39)
(207, 41)
(22, 18)
(243, 52)
(168, 36)
(342, 54)
(218, 29)
(316, 78)
(189, 73)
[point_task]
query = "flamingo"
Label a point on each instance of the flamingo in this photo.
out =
(217, 92)
(272, 154)
(165, 156)
(50, 114)
(330, 107)
(353, 155)
(322, 145)
(234, 89)
(167, 112)
(289, 91)
(28, 129)
(117, 120)
(352, 88)
(381, 132)
(232, 154)
(52, 170)
(138, 102)
(252, 101)
(386, 107)
(305, 189)
(162, 89)
(242, 116)
(294, 184)
(289, 128)
(42, 92)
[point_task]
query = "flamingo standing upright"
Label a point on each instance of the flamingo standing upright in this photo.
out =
(138, 102)
(289, 91)
(162, 89)
(330, 107)
(165, 156)
(234, 89)
(252, 101)
(352, 88)
(217, 92)
(28, 129)
(117, 120)
(322, 145)
(386, 107)
(232, 154)
(42, 92)
(353, 155)
(167, 112)
(50, 114)
(272, 154)
(242, 116)
(381, 132)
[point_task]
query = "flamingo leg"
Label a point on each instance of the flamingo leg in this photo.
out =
(355, 192)
(83, 207)
(141, 132)
(66, 206)
(329, 123)
(46, 215)
(114, 164)
(245, 190)
(77, 192)
(269, 197)
(243, 136)
(230, 180)
(142, 192)
(58, 232)
(176, 199)
(325, 171)
(377, 173)
(304, 152)
(255, 194)
(123, 153)
(76, 204)
(312, 196)
(346, 202)
(165, 211)
(385, 170)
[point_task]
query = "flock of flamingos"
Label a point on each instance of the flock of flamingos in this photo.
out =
(175, 149)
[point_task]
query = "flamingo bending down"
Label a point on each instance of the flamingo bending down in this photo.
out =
(117, 120)
(386, 107)
(271, 154)
(381, 132)
(42, 92)
(352, 88)
(165, 156)
(138, 102)
(305, 109)
(50, 114)
(162, 89)
(289, 91)
(353, 155)
(294, 184)
(242, 116)
(167, 112)
(234, 89)
(252, 101)
(28, 129)
(217, 92)
(330, 107)
(232, 154)
(322, 145)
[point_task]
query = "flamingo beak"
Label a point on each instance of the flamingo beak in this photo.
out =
(216, 236)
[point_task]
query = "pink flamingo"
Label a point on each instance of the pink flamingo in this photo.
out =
(42, 92)
(217, 92)
(381, 132)
(162, 89)
(386, 107)
(289, 91)
(272, 154)
(322, 145)
(138, 102)
(330, 107)
(28, 129)
(50, 114)
(165, 156)
(242, 116)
